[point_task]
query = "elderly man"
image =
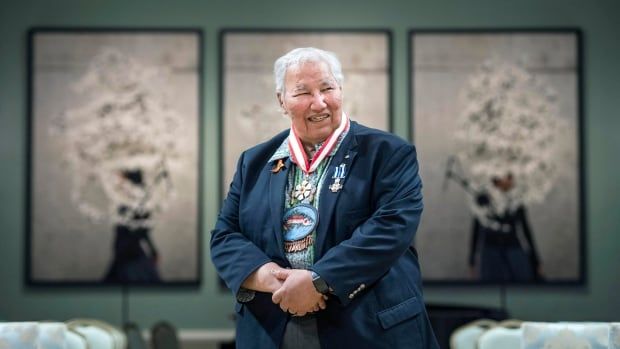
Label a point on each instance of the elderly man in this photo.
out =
(315, 235)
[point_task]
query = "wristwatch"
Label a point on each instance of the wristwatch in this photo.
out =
(320, 284)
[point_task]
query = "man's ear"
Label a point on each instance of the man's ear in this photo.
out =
(280, 98)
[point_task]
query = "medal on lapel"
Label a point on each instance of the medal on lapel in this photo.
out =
(278, 166)
(339, 174)
(298, 224)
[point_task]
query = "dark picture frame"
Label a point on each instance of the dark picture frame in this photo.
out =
(497, 119)
(248, 107)
(114, 145)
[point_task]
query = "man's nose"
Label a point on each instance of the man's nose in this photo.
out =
(318, 102)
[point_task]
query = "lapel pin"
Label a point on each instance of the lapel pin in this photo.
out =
(336, 186)
(278, 166)
(339, 174)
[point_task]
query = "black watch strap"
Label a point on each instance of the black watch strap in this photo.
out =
(319, 283)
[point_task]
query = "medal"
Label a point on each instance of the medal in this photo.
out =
(304, 190)
(298, 224)
(336, 186)
(298, 155)
(339, 174)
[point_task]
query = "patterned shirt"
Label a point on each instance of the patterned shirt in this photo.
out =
(300, 253)
(302, 188)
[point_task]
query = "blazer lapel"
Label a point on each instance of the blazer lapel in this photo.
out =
(277, 186)
(328, 199)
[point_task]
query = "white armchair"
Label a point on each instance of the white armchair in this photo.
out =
(566, 335)
(466, 336)
(76, 340)
(506, 335)
(19, 335)
(614, 335)
(98, 334)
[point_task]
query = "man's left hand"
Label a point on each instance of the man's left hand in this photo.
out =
(297, 294)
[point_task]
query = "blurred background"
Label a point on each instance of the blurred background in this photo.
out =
(207, 305)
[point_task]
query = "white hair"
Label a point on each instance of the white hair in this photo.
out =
(302, 55)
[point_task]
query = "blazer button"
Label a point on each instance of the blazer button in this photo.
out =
(351, 296)
(362, 286)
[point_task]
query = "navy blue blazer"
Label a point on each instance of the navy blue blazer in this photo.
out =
(362, 249)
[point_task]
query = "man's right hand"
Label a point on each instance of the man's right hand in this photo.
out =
(298, 295)
(264, 279)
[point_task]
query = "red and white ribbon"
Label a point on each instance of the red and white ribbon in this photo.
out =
(298, 154)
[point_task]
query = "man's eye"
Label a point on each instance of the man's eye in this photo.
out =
(301, 94)
(327, 89)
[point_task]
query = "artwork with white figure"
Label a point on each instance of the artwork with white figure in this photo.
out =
(496, 115)
(114, 157)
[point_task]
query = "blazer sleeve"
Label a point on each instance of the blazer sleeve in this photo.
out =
(377, 243)
(235, 257)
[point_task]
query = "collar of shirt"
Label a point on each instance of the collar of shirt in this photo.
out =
(283, 150)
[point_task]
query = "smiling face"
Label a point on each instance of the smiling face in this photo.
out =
(312, 99)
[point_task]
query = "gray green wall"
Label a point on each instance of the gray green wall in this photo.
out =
(206, 306)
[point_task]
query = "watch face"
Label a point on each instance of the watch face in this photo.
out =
(315, 276)
(245, 295)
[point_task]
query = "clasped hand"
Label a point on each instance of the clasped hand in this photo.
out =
(292, 289)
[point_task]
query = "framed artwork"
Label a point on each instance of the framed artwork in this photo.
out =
(114, 146)
(249, 109)
(496, 116)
